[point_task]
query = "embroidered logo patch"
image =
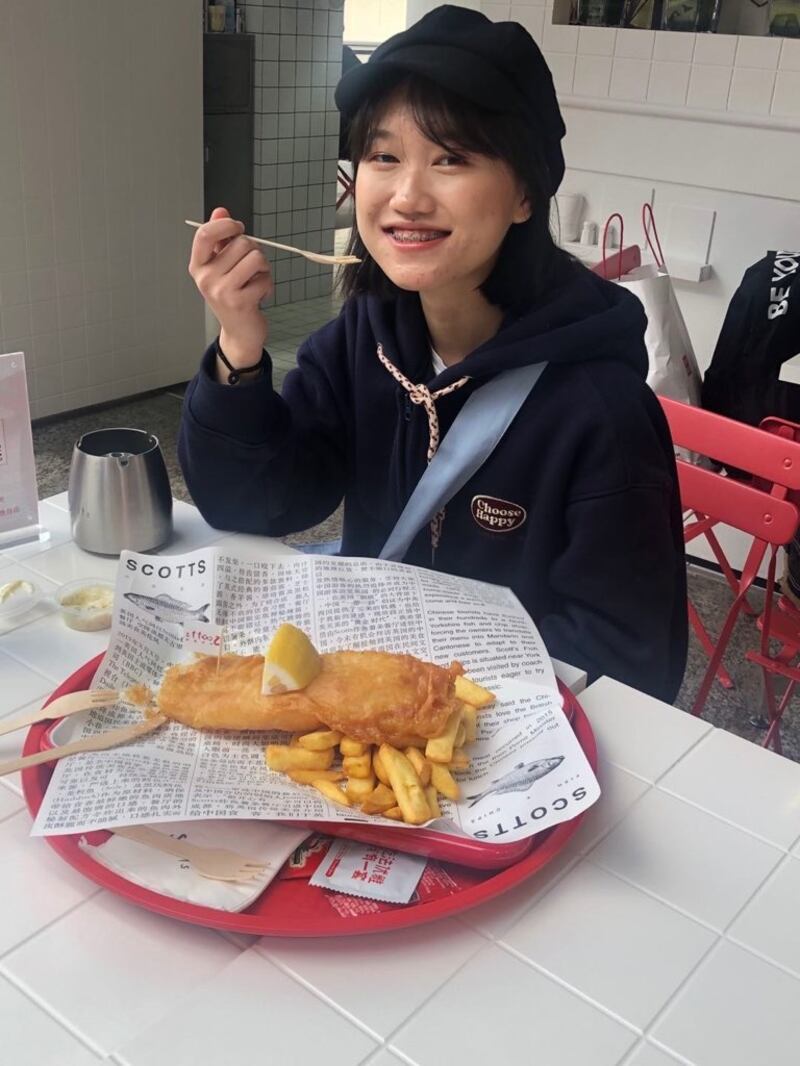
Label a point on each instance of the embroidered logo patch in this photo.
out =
(498, 516)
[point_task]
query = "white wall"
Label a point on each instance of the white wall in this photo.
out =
(372, 21)
(101, 160)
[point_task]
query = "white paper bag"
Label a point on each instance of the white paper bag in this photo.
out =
(672, 370)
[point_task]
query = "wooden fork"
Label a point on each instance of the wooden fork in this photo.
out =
(218, 864)
(97, 742)
(62, 707)
(315, 257)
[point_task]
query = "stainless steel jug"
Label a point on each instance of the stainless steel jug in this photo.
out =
(119, 493)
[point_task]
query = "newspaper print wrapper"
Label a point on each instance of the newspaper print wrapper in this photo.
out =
(527, 770)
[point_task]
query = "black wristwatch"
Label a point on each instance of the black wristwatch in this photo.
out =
(235, 374)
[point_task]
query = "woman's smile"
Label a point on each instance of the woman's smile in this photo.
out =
(411, 239)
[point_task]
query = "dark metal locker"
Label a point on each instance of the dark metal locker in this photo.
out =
(228, 106)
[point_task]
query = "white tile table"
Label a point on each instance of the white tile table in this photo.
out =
(666, 933)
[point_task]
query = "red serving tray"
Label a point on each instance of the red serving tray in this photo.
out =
(293, 907)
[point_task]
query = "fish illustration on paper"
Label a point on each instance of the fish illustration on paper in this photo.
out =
(519, 779)
(165, 609)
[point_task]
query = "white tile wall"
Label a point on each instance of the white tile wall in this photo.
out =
(669, 83)
(634, 44)
(629, 79)
(298, 62)
(701, 71)
(562, 67)
(709, 87)
(790, 55)
(786, 99)
(751, 90)
(99, 168)
(596, 41)
(592, 75)
(674, 47)
(758, 52)
(714, 48)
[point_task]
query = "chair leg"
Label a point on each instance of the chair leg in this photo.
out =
(716, 658)
(773, 734)
(725, 567)
(707, 644)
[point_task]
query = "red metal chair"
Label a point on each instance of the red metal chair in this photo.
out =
(760, 508)
(348, 185)
(781, 625)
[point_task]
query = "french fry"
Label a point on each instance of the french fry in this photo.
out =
(348, 746)
(433, 801)
(394, 812)
(460, 761)
(379, 800)
(320, 740)
(440, 749)
(411, 740)
(358, 788)
(469, 718)
(308, 777)
(444, 782)
(473, 694)
(331, 792)
(357, 765)
(461, 734)
(379, 768)
(420, 764)
(406, 785)
(283, 758)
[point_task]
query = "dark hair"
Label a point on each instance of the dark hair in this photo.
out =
(528, 254)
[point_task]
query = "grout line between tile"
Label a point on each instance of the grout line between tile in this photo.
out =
(668, 903)
(8, 787)
(720, 937)
(48, 1010)
(576, 859)
(27, 665)
(383, 1041)
(570, 988)
(721, 818)
(653, 783)
(643, 1043)
(402, 1055)
(288, 972)
(40, 929)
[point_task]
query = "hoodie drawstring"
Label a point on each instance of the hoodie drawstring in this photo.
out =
(421, 395)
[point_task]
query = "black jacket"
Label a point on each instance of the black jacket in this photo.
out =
(760, 332)
(586, 470)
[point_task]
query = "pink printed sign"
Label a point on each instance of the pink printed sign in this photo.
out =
(19, 505)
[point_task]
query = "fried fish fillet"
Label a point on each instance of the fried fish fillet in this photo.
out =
(373, 696)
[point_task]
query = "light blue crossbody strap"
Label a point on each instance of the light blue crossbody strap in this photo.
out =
(476, 431)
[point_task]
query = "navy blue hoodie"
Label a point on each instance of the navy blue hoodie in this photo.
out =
(577, 509)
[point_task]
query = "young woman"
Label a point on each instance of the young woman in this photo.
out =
(455, 138)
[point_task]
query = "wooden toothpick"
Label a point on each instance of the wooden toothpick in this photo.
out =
(221, 646)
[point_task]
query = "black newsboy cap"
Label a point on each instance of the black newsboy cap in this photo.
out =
(496, 65)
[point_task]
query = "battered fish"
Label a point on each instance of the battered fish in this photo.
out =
(373, 696)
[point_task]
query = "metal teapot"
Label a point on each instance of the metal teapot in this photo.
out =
(119, 492)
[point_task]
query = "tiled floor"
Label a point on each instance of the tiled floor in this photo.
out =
(290, 325)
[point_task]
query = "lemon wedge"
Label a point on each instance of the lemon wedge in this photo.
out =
(290, 662)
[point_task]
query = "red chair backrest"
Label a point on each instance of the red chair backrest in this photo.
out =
(763, 512)
(736, 504)
(763, 454)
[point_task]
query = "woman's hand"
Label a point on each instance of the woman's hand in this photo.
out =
(233, 277)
